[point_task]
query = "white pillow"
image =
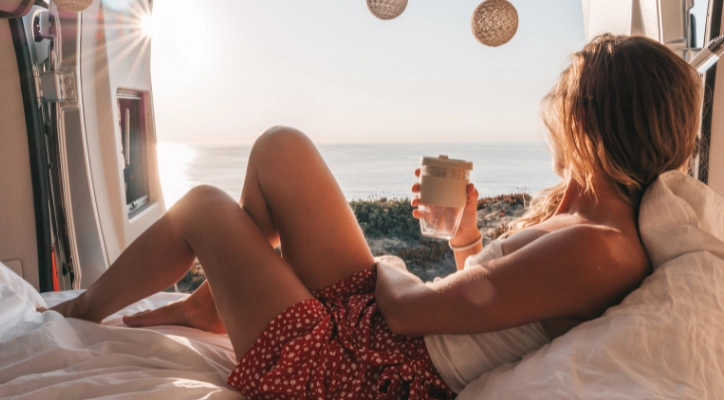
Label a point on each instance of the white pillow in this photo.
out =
(12, 285)
(18, 300)
(665, 340)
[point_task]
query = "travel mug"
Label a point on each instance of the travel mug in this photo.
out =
(443, 194)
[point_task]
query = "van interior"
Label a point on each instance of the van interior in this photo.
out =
(79, 176)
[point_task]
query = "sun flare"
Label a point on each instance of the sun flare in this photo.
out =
(147, 24)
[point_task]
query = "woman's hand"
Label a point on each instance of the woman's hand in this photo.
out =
(468, 230)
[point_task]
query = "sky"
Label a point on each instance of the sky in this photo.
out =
(226, 70)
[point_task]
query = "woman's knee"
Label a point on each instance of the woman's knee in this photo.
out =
(205, 193)
(281, 135)
(282, 141)
(201, 208)
(203, 199)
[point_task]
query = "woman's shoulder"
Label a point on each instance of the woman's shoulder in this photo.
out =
(618, 244)
(602, 248)
(563, 231)
(615, 255)
(598, 264)
(576, 230)
(615, 246)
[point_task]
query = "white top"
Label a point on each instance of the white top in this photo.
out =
(460, 359)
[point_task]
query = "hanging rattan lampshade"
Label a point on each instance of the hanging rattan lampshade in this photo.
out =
(494, 22)
(73, 5)
(386, 9)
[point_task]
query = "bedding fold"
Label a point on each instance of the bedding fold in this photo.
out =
(45, 356)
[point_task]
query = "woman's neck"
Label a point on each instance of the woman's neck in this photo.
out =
(603, 207)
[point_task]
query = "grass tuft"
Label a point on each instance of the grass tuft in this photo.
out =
(386, 218)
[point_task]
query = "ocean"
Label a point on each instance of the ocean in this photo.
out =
(364, 171)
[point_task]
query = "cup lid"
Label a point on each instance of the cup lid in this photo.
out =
(446, 162)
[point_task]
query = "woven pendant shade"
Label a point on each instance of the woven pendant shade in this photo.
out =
(494, 22)
(386, 9)
(73, 5)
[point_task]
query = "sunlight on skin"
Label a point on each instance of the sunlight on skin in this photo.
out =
(174, 161)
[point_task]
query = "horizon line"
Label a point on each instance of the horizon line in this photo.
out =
(249, 143)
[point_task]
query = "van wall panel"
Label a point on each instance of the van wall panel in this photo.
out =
(18, 239)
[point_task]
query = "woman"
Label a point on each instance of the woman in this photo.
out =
(623, 112)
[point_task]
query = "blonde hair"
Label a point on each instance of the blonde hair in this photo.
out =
(626, 109)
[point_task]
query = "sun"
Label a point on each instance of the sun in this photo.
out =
(147, 24)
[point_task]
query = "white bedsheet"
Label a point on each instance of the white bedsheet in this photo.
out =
(665, 340)
(44, 356)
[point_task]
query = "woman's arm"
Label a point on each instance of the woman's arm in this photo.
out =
(462, 255)
(574, 272)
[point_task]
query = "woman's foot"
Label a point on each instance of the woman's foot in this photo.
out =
(193, 312)
(73, 309)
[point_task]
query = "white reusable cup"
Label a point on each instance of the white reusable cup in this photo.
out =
(443, 193)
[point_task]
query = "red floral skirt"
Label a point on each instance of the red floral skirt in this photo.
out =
(334, 346)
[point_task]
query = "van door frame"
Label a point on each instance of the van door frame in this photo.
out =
(713, 29)
(38, 157)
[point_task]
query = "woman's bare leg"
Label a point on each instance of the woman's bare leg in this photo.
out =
(251, 284)
(293, 197)
(196, 311)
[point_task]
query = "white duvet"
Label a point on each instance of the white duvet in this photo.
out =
(44, 356)
(666, 339)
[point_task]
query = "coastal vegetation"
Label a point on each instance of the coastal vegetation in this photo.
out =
(389, 228)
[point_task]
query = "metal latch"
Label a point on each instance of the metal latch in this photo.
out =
(58, 86)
